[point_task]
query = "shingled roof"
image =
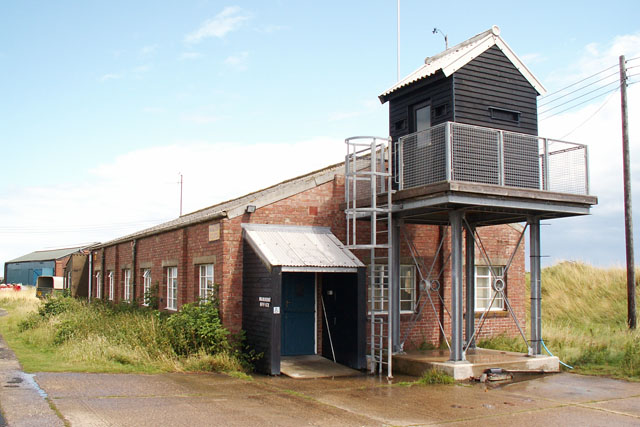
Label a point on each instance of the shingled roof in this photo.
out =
(456, 57)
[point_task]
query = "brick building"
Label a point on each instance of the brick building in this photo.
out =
(207, 246)
(404, 245)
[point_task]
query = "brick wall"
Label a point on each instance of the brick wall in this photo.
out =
(320, 206)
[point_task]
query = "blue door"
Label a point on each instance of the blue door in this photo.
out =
(298, 314)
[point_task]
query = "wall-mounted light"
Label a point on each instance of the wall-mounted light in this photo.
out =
(251, 209)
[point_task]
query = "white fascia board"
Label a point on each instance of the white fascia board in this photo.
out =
(504, 47)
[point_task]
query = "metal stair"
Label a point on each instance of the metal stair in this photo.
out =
(368, 211)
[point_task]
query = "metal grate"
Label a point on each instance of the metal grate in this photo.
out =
(475, 155)
(459, 152)
(567, 167)
(424, 157)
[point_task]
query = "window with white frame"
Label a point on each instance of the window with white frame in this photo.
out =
(485, 277)
(407, 288)
(146, 285)
(206, 281)
(98, 285)
(127, 285)
(172, 288)
(110, 286)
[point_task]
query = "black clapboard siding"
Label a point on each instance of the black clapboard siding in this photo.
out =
(491, 80)
(257, 322)
(436, 89)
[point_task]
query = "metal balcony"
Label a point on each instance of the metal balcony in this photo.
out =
(465, 153)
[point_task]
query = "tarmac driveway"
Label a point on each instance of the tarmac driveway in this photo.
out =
(212, 399)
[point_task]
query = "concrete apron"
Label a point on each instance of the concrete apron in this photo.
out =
(477, 361)
(313, 366)
(22, 401)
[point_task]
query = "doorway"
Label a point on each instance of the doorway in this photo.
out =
(298, 336)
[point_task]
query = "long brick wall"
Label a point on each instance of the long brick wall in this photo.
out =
(188, 247)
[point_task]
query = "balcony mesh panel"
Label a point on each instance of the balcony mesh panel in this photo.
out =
(424, 157)
(567, 167)
(521, 164)
(475, 155)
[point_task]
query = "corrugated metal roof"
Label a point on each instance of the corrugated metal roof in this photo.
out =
(236, 207)
(300, 248)
(456, 57)
(49, 255)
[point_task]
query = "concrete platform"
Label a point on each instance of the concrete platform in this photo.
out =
(313, 366)
(477, 361)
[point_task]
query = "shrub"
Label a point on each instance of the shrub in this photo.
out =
(198, 327)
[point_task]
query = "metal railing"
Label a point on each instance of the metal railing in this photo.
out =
(459, 152)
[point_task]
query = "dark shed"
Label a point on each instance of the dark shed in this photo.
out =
(296, 281)
(478, 82)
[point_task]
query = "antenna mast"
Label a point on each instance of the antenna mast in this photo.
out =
(446, 39)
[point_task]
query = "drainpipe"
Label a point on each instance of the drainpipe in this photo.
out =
(133, 267)
(102, 276)
(90, 276)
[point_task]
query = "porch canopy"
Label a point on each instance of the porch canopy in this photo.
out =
(300, 248)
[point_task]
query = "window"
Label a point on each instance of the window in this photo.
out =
(421, 122)
(68, 285)
(504, 115)
(206, 281)
(111, 286)
(172, 288)
(146, 286)
(127, 285)
(407, 288)
(98, 285)
(485, 276)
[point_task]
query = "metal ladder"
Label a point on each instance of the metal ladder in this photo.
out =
(368, 202)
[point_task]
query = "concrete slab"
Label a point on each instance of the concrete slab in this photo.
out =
(477, 361)
(22, 402)
(314, 366)
(214, 399)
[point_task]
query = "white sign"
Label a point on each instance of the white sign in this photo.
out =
(276, 310)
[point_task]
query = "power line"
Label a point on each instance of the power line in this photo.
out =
(578, 82)
(590, 117)
(581, 96)
(577, 105)
(579, 89)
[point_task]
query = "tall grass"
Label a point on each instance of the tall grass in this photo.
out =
(71, 335)
(584, 315)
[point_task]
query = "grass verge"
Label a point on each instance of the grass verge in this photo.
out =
(66, 334)
(584, 317)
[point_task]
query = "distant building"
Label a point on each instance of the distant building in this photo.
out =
(27, 268)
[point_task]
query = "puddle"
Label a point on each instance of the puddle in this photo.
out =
(28, 378)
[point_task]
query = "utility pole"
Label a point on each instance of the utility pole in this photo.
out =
(628, 222)
(398, 44)
(180, 194)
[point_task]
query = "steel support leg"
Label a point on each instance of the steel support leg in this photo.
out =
(470, 288)
(536, 295)
(395, 284)
(455, 219)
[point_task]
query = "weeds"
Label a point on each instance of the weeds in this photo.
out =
(66, 334)
(584, 321)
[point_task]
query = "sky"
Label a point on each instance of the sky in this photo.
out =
(105, 104)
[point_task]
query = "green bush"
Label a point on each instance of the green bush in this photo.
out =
(57, 305)
(198, 327)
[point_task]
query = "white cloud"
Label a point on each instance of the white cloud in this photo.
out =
(365, 107)
(201, 119)
(139, 189)
(533, 58)
(600, 238)
(191, 55)
(148, 50)
(239, 61)
(230, 19)
(141, 69)
(110, 76)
